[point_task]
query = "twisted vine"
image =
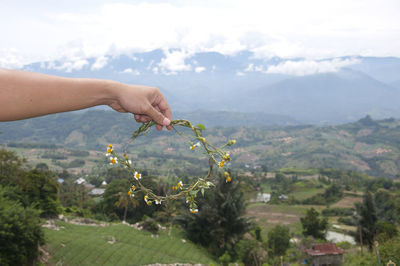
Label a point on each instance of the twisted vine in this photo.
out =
(217, 156)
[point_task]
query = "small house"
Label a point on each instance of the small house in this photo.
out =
(263, 197)
(97, 192)
(325, 254)
(80, 181)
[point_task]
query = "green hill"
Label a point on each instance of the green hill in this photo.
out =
(368, 146)
(118, 244)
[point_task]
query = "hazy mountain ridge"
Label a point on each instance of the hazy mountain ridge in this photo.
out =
(337, 90)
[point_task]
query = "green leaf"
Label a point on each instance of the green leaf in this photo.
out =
(202, 191)
(201, 127)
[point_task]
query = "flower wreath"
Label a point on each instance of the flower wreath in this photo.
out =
(217, 156)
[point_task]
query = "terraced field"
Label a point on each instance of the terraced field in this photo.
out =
(118, 244)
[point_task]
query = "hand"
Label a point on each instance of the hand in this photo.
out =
(146, 103)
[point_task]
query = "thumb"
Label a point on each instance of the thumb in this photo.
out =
(158, 117)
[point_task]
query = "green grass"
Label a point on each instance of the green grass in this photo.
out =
(87, 245)
(268, 216)
(306, 188)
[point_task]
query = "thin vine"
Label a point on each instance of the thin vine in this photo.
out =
(217, 156)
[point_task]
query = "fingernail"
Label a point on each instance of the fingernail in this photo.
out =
(166, 122)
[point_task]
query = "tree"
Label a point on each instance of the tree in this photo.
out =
(20, 231)
(124, 201)
(278, 240)
(368, 219)
(220, 222)
(36, 188)
(113, 205)
(313, 225)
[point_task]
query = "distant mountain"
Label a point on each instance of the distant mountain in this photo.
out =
(335, 90)
(91, 128)
(333, 97)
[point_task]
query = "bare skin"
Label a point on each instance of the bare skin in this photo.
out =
(26, 94)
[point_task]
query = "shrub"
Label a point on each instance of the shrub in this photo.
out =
(20, 232)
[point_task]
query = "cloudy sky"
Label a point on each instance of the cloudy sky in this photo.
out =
(50, 29)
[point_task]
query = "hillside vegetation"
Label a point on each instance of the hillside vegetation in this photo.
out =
(367, 145)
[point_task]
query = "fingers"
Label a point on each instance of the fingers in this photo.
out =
(158, 117)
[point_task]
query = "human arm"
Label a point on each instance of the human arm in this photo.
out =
(25, 95)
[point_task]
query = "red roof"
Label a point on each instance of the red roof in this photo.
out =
(325, 249)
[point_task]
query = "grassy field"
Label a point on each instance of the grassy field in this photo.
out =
(118, 244)
(268, 216)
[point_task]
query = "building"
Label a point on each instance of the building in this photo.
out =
(80, 181)
(325, 254)
(263, 197)
(97, 192)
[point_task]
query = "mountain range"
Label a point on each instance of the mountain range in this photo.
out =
(323, 91)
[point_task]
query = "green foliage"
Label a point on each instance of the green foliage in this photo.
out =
(225, 258)
(278, 240)
(332, 194)
(386, 231)
(337, 212)
(72, 194)
(368, 219)
(20, 232)
(35, 187)
(220, 222)
(150, 225)
(313, 225)
(117, 203)
(249, 251)
(388, 205)
(390, 250)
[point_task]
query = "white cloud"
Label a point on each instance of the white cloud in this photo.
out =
(312, 29)
(199, 69)
(69, 65)
(131, 71)
(174, 62)
(11, 58)
(100, 63)
(309, 67)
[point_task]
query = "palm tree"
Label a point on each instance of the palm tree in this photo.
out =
(124, 200)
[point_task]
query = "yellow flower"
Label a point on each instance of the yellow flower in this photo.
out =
(130, 192)
(173, 187)
(126, 156)
(228, 179)
(227, 174)
(113, 160)
(137, 176)
(180, 184)
(109, 150)
(202, 139)
(227, 157)
(133, 187)
(221, 164)
(195, 145)
(231, 142)
(194, 210)
(146, 199)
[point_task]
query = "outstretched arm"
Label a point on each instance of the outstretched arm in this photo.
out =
(25, 94)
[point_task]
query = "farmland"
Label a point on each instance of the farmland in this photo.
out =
(118, 244)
